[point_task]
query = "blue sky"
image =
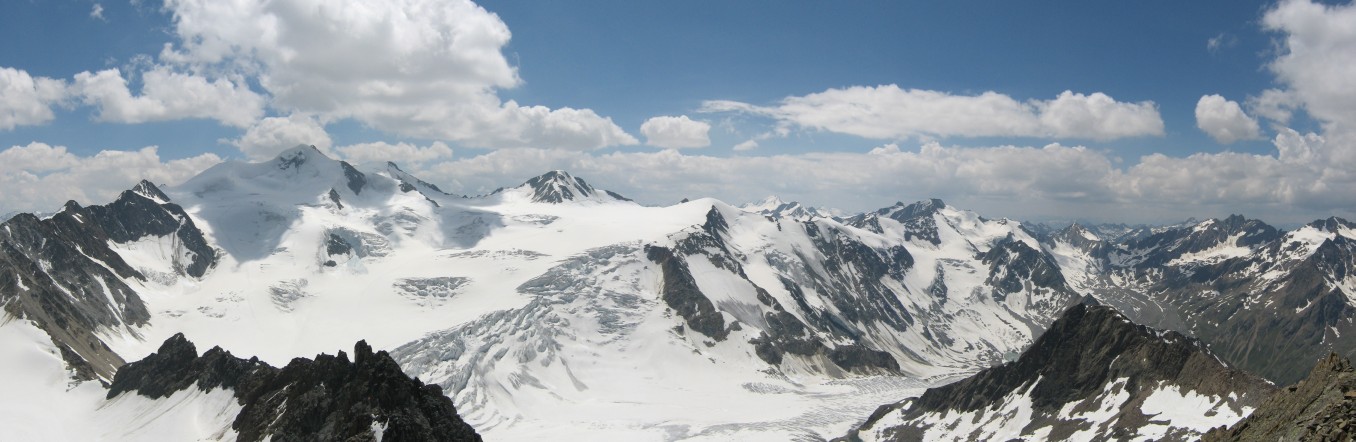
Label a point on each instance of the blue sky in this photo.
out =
(895, 100)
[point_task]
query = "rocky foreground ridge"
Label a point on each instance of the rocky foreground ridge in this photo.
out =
(326, 398)
(1322, 407)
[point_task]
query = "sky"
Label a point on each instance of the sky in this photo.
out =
(1141, 112)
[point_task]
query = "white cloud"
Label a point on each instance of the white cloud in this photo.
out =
(1274, 104)
(270, 136)
(26, 100)
(1318, 58)
(746, 146)
(168, 95)
(1220, 41)
(40, 177)
(420, 68)
(1052, 181)
(676, 132)
(35, 158)
(889, 112)
(1224, 120)
(403, 154)
(97, 12)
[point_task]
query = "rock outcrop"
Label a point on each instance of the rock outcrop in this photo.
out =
(1322, 407)
(326, 398)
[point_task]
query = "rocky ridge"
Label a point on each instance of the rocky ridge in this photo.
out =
(326, 398)
(1322, 407)
(1093, 374)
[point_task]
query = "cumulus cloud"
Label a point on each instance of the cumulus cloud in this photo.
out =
(40, 177)
(97, 12)
(1316, 65)
(420, 68)
(270, 136)
(676, 132)
(26, 100)
(1224, 120)
(1274, 104)
(403, 154)
(169, 95)
(1318, 58)
(746, 146)
(890, 112)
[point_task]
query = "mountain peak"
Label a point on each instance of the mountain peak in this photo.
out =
(149, 190)
(901, 211)
(1333, 224)
(298, 156)
(558, 186)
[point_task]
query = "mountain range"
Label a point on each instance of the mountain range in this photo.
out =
(556, 309)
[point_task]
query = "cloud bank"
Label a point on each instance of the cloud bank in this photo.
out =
(889, 112)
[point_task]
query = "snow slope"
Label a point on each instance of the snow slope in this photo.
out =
(43, 404)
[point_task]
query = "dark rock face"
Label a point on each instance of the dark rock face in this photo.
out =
(356, 180)
(134, 216)
(1088, 351)
(1013, 265)
(917, 219)
(328, 398)
(1322, 407)
(62, 274)
(681, 294)
(335, 245)
(853, 281)
(334, 197)
(176, 366)
(54, 273)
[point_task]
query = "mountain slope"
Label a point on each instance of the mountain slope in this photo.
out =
(1322, 407)
(70, 273)
(1092, 376)
(1265, 299)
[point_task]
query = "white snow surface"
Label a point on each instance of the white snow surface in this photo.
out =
(554, 326)
(51, 408)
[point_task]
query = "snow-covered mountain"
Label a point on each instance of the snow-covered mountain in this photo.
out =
(1092, 376)
(556, 309)
(1268, 300)
(777, 209)
(583, 289)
